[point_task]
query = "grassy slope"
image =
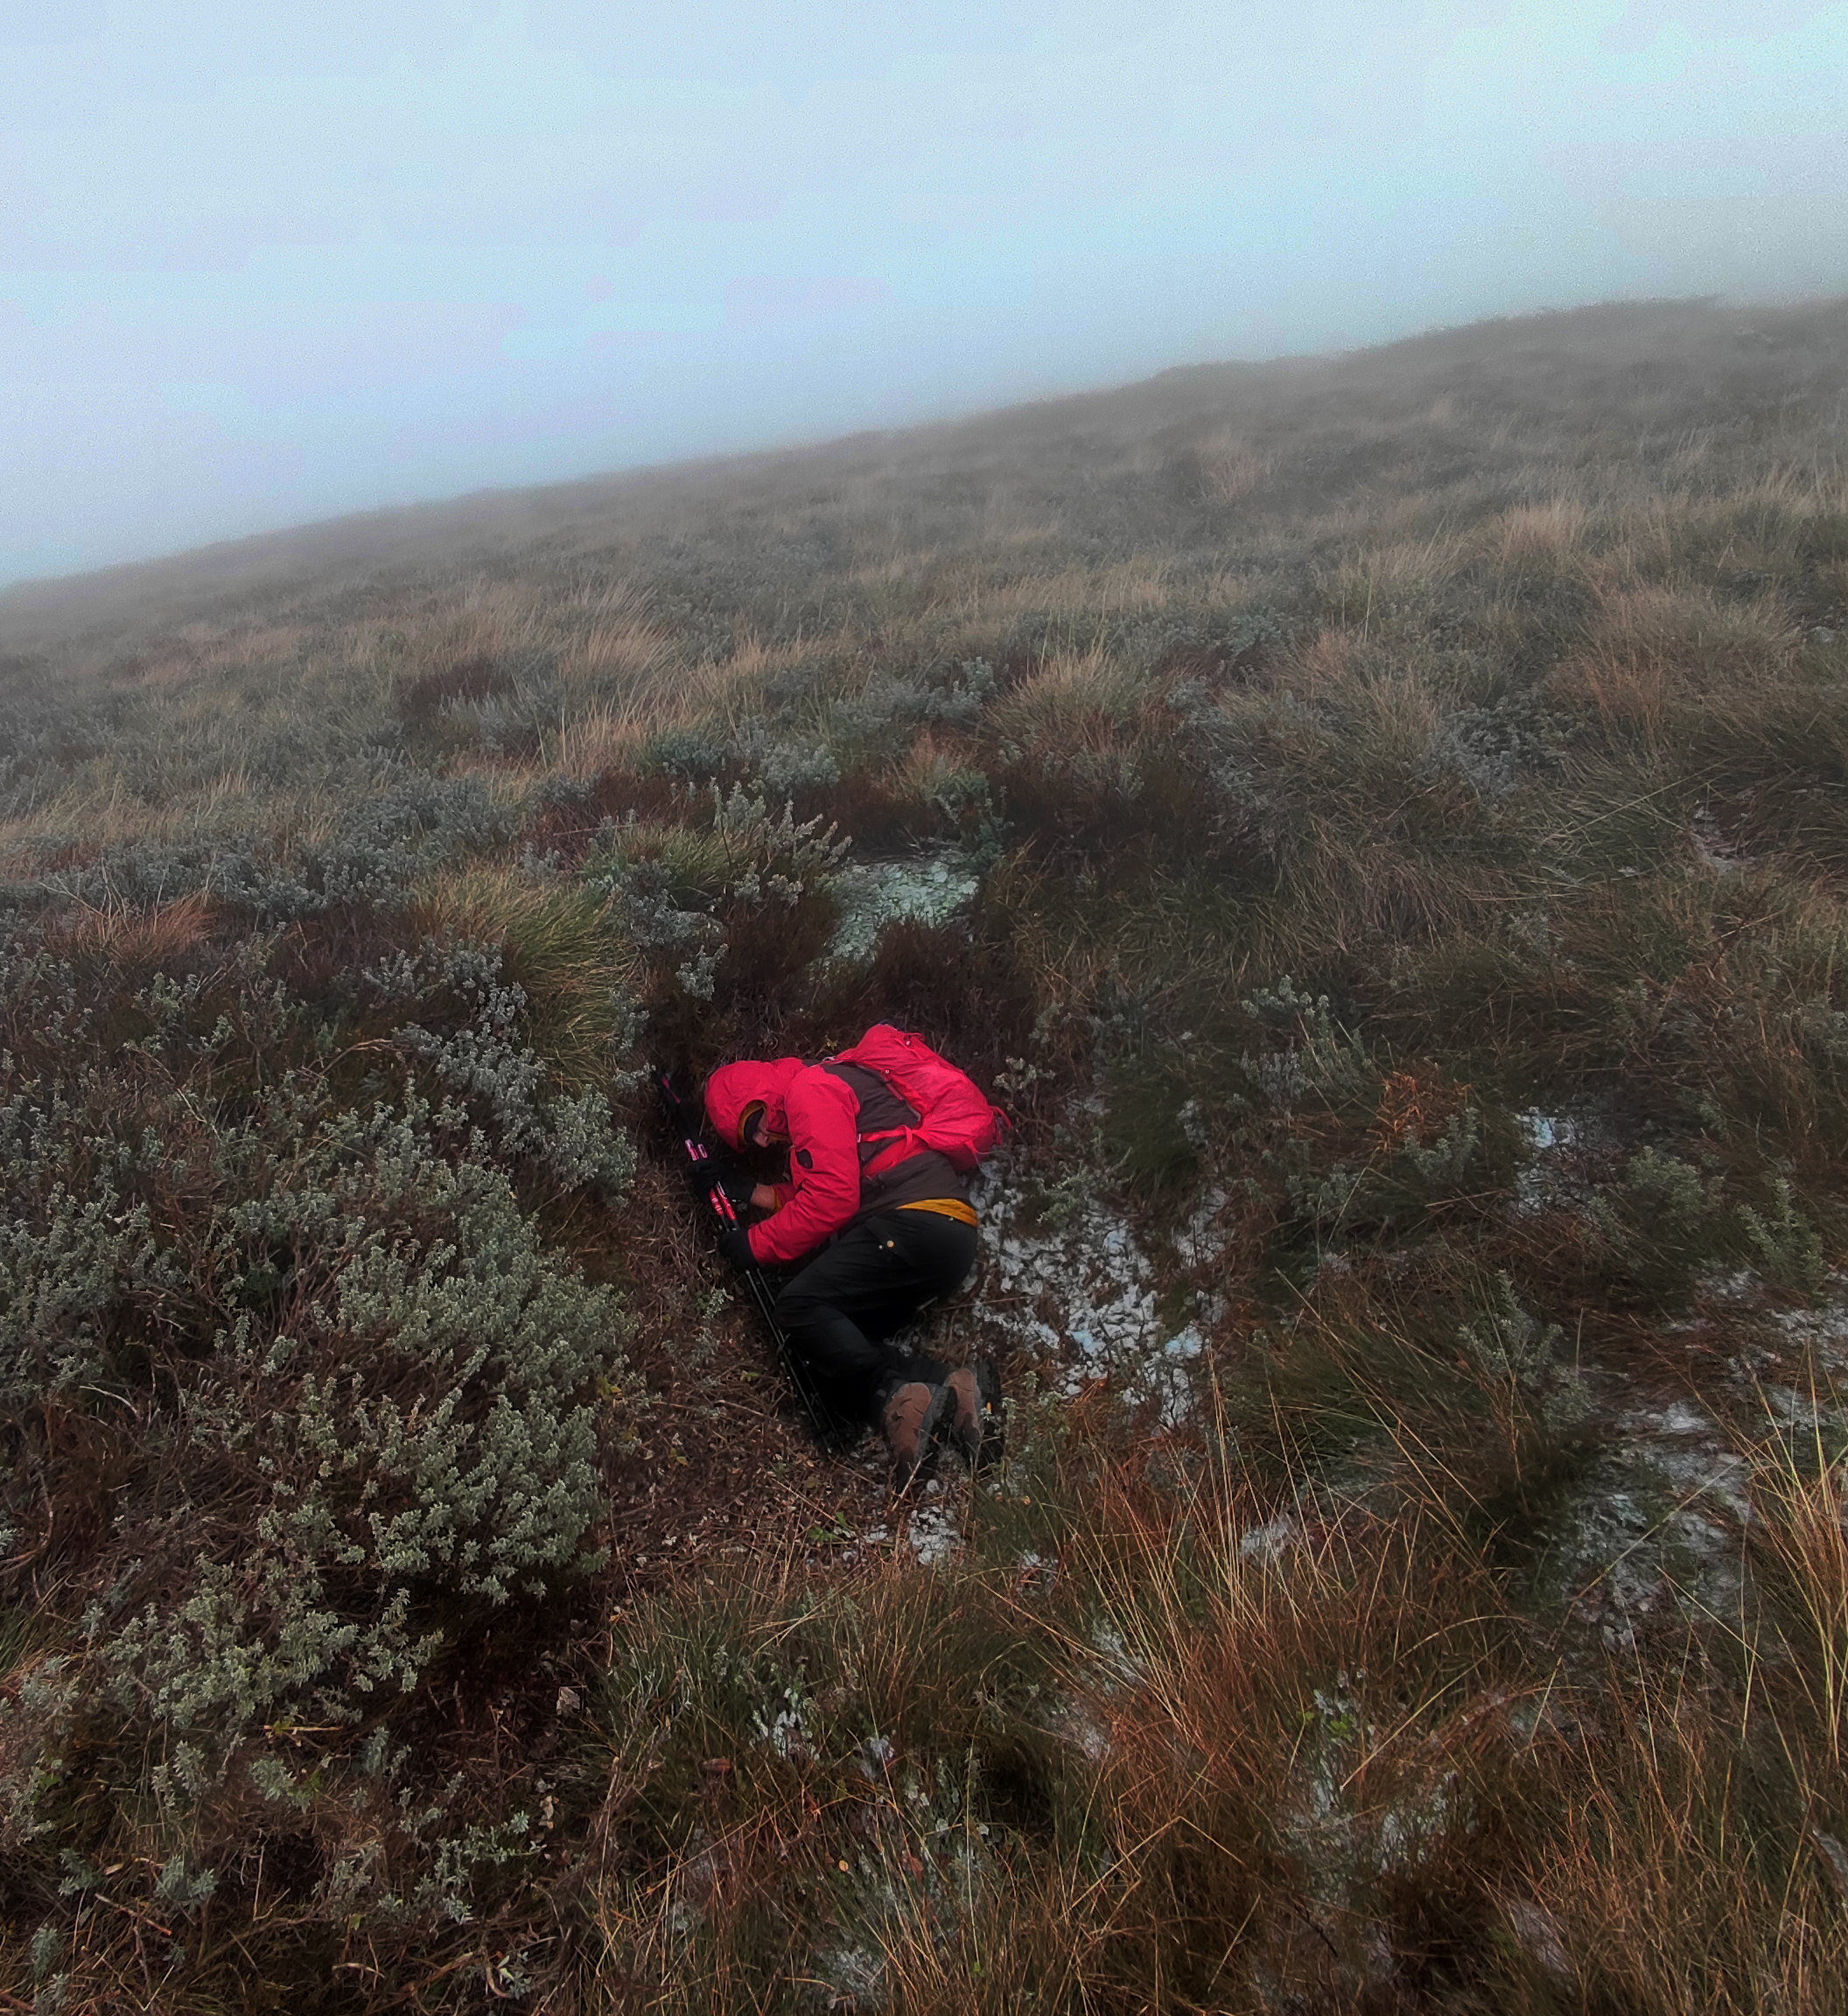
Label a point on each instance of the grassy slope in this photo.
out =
(1410, 800)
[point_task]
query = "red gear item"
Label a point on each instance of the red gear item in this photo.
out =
(733, 1090)
(954, 1117)
(820, 1116)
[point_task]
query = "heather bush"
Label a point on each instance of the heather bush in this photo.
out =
(1392, 1194)
(736, 850)
(952, 694)
(481, 1062)
(781, 766)
(368, 1399)
(1786, 1248)
(1662, 1221)
(684, 888)
(1524, 1363)
(381, 845)
(1317, 1057)
(72, 1268)
(1496, 749)
(688, 754)
(45, 732)
(413, 1404)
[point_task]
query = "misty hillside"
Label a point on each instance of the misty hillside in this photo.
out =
(1182, 465)
(1377, 823)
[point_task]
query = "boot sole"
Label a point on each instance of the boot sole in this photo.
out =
(981, 1444)
(932, 1432)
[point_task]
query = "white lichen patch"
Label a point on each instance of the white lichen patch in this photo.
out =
(1271, 1542)
(1685, 1445)
(1712, 848)
(1343, 1842)
(926, 889)
(1806, 1413)
(847, 1977)
(916, 1867)
(1201, 1237)
(1070, 1292)
(1822, 1331)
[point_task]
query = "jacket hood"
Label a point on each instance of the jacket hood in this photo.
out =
(734, 1089)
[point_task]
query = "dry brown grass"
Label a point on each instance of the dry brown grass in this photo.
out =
(1380, 580)
(198, 648)
(559, 943)
(1326, 1765)
(1652, 651)
(977, 590)
(153, 941)
(606, 735)
(1325, 661)
(1070, 700)
(1546, 536)
(1231, 468)
(618, 643)
(1800, 1490)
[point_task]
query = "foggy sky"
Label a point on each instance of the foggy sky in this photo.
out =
(259, 266)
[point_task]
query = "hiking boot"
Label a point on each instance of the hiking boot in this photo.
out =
(913, 1420)
(975, 1417)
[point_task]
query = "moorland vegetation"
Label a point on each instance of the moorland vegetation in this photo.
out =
(1393, 810)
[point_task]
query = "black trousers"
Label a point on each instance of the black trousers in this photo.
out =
(838, 1311)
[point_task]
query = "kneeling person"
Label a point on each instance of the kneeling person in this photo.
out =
(884, 1241)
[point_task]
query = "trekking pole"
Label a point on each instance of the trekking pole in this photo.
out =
(720, 1183)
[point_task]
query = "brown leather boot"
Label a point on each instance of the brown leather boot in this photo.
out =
(976, 1421)
(913, 1421)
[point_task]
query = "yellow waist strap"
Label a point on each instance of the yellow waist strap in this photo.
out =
(949, 1207)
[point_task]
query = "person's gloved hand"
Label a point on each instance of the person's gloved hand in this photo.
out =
(735, 1247)
(736, 1185)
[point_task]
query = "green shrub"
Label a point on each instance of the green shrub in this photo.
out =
(414, 1428)
(482, 1063)
(1392, 1195)
(1662, 1223)
(1788, 1248)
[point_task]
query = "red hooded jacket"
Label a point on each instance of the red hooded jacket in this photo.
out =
(817, 1108)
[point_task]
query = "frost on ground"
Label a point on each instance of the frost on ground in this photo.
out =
(1201, 1237)
(1074, 1303)
(919, 1870)
(1658, 1525)
(1077, 1299)
(927, 890)
(935, 1532)
(1270, 1543)
(1821, 1333)
(1562, 1151)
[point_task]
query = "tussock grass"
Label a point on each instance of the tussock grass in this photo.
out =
(559, 943)
(1238, 1743)
(1653, 651)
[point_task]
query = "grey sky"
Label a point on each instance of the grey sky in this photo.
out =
(259, 265)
